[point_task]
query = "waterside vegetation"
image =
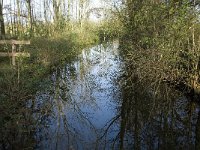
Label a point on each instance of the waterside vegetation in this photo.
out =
(161, 40)
(57, 34)
(159, 43)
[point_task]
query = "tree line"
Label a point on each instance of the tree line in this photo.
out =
(24, 17)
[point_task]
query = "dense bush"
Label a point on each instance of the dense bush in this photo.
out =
(162, 40)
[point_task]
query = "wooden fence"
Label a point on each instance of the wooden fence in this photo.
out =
(14, 52)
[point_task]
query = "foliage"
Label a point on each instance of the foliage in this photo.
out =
(110, 28)
(163, 41)
(56, 39)
(19, 84)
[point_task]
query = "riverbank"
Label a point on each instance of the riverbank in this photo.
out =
(153, 66)
(20, 83)
(94, 102)
(162, 42)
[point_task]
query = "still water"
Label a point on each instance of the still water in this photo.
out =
(91, 103)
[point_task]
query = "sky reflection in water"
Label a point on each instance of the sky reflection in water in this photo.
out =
(89, 109)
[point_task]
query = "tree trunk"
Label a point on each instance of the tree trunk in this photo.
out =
(56, 9)
(45, 10)
(68, 10)
(29, 16)
(2, 25)
(19, 29)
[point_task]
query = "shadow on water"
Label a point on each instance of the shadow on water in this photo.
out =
(96, 104)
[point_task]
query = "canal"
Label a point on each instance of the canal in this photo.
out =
(91, 103)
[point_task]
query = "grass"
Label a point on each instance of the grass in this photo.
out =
(19, 84)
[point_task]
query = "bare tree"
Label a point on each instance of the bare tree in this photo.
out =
(29, 15)
(2, 25)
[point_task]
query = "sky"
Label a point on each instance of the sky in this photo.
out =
(39, 3)
(96, 3)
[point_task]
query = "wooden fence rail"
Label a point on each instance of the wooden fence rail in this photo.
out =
(14, 54)
(15, 42)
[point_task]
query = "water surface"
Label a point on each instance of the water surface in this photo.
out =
(91, 103)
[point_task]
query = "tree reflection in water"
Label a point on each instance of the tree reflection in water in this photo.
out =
(90, 109)
(156, 118)
(82, 98)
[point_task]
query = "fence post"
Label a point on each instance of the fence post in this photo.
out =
(13, 54)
